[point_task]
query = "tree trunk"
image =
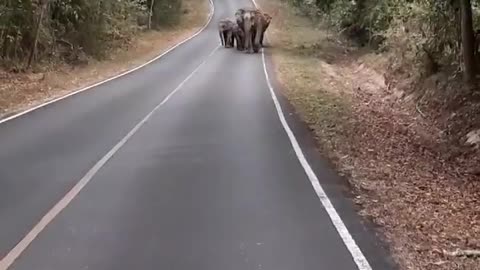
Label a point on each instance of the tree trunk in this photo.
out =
(150, 14)
(43, 7)
(468, 41)
(5, 44)
(5, 33)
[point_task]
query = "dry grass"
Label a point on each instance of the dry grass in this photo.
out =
(21, 91)
(424, 204)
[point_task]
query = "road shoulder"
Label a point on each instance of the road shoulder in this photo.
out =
(413, 199)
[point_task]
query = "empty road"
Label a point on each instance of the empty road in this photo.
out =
(186, 163)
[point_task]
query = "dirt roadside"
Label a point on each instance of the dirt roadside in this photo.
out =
(425, 206)
(21, 91)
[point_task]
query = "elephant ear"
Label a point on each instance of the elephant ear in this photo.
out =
(267, 17)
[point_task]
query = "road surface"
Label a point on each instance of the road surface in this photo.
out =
(182, 164)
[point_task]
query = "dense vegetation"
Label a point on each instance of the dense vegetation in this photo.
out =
(69, 30)
(430, 34)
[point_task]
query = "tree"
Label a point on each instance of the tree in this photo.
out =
(468, 41)
(150, 14)
(43, 7)
(67, 30)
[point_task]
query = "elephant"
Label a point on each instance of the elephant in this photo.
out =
(245, 18)
(253, 23)
(266, 23)
(239, 37)
(225, 27)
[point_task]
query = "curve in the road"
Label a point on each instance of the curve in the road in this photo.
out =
(210, 16)
(258, 165)
(8, 260)
(16, 251)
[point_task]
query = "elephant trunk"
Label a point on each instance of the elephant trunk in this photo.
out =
(258, 34)
(247, 24)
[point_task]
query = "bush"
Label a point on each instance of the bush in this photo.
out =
(166, 12)
(415, 29)
(71, 28)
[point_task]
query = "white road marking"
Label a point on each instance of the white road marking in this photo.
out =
(210, 16)
(9, 259)
(347, 238)
(358, 257)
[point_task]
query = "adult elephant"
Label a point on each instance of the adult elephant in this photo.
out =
(253, 22)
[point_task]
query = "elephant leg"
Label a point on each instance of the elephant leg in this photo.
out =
(250, 47)
(252, 40)
(238, 39)
(261, 39)
(258, 34)
(220, 33)
(240, 43)
(254, 44)
(248, 43)
(230, 39)
(235, 40)
(225, 39)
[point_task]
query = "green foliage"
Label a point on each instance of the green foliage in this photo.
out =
(166, 12)
(416, 29)
(71, 28)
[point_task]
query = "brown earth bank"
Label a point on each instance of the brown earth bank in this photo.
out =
(20, 91)
(408, 176)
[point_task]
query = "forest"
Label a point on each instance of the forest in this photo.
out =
(33, 31)
(424, 40)
(432, 34)
(404, 128)
(428, 34)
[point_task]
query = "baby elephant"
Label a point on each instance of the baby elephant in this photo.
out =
(239, 37)
(225, 31)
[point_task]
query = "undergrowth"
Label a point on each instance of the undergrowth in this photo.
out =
(422, 44)
(72, 31)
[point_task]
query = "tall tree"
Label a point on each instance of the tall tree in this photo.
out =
(43, 8)
(150, 14)
(468, 41)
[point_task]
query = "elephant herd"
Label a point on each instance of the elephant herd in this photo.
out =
(246, 30)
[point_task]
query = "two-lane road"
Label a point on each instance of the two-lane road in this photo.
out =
(182, 164)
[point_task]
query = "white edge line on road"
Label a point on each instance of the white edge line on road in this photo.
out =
(210, 16)
(358, 257)
(10, 258)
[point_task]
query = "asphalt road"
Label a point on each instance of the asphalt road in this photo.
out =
(209, 181)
